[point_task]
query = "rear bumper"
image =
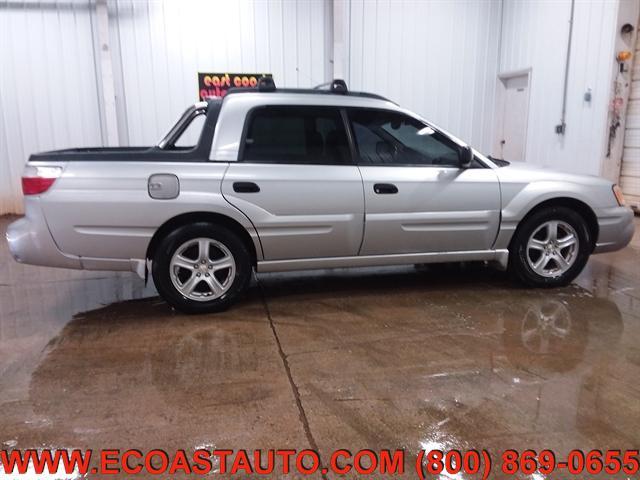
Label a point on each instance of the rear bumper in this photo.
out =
(31, 242)
(616, 228)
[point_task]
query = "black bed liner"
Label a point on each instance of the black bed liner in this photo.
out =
(200, 153)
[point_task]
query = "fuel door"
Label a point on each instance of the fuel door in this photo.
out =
(163, 186)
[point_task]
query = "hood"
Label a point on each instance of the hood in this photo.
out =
(527, 172)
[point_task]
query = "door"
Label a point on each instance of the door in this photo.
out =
(630, 168)
(297, 183)
(513, 110)
(417, 198)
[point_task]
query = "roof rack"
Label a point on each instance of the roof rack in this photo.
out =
(337, 86)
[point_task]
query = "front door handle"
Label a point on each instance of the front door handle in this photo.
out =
(245, 187)
(385, 188)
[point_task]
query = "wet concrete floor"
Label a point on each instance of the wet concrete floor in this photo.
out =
(435, 357)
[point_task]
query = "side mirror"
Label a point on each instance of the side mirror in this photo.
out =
(466, 157)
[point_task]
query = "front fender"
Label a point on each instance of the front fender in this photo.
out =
(520, 199)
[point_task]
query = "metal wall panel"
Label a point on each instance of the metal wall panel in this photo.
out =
(163, 44)
(438, 58)
(534, 35)
(48, 93)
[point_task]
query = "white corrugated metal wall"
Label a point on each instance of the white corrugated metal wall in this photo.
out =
(438, 58)
(48, 89)
(162, 46)
(534, 35)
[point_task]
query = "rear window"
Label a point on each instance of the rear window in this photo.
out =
(296, 135)
(190, 136)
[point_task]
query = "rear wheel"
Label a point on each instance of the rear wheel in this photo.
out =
(550, 248)
(201, 268)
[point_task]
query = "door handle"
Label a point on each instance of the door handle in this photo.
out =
(245, 187)
(385, 188)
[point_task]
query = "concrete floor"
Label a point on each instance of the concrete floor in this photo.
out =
(447, 357)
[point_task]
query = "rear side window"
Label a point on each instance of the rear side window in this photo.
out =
(296, 135)
(392, 138)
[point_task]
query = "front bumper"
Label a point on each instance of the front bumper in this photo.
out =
(31, 242)
(616, 228)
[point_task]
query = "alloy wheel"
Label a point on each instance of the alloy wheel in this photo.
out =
(552, 248)
(202, 269)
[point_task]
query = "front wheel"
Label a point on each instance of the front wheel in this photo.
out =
(550, 248)
(201, 268)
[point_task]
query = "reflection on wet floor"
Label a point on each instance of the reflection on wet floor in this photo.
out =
(443, 356)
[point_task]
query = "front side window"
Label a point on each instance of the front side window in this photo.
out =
(386, 138)
(296, 135)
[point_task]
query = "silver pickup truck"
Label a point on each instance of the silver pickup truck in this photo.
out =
(285, 179)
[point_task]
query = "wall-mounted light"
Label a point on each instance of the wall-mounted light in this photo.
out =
(623, 55)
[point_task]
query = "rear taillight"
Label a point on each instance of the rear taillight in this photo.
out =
(617, 192)
(37, 180)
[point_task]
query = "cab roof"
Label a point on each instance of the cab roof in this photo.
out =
(309, 91)
(330, 93)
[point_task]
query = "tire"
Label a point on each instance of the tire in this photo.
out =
(201, 268)
(533, 236)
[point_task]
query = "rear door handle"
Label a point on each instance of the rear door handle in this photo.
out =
(245, 187)
(385, 188)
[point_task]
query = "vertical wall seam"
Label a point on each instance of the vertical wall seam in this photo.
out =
(152, 63)
(96, 71)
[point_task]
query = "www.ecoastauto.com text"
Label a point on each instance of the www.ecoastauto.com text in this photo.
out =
(422, 464)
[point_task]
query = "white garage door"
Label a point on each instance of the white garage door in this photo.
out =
(630, 173)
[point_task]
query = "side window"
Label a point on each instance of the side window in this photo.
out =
(387, 138)
(296, 135)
